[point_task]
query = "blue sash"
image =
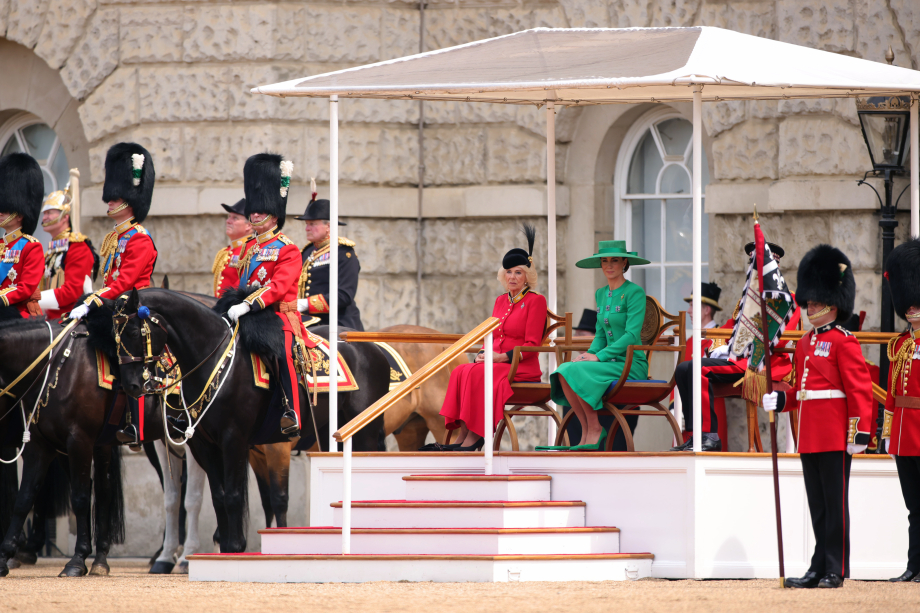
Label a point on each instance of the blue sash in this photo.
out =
(267, 253)
(7, 266)
(122, 245)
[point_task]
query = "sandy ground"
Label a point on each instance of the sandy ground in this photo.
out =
(36, 589)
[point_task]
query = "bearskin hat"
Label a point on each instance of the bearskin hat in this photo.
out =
(129, 175)
(903, 273)
(826, 276)
(266, 180)
(22, 188)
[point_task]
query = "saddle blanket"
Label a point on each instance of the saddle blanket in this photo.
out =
(399, 371)
(319, 356)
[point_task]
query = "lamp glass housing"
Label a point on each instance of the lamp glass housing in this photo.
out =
(885, 123)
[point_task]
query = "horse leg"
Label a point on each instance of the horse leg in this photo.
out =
(35, 462)
(259, 464)
(151, 452)
(214, 466)
(80, 454)
(109, 511)
(236, 494)
(278, 458)
(412, 434)
(172, 488)
(194, 495)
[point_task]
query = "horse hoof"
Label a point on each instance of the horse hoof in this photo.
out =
(73, 571)
(27, 557)
(100, 570)
(182, 569)
(4, 569)
(161, 568)
(14, 563)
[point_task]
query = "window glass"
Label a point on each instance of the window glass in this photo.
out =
(675, 135)
(11, 146)
(675, 180)
(646, 228)
(646, 163)
(39, 139)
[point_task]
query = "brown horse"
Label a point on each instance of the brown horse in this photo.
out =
(412, 418)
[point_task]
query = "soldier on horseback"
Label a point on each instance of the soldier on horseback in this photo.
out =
(271, 265)
(128, 253)
(313, 288)
(21, 190)
(226, 266)
(71, 263)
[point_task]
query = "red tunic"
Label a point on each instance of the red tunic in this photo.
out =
(78, 267)
(718, 403)
(128, 257)
(829, 358)
(523, 323)
(226, 267)
(902, 424)
(23, 277)
(272, 262)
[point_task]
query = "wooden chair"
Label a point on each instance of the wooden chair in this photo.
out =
(633, 394)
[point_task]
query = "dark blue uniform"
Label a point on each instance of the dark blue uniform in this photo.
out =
(314, 283)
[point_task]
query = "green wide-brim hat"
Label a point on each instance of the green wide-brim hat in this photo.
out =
(610, 249)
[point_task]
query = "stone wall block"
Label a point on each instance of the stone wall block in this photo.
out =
(585, 14)
(455, 156)
(151, 35)
(755, 18)
(808, 230)
(806, 106)
(821, 146)
(218, 152)
(747, 151)
(817, 24)
(878, 29)
(200, 236)
(368, 300)
(629, 13)
(350, 34)
(398, 163)
(674, 13)
(246, 105)
(726, 256)
(763, 109)
(869, 299)
(196, 93)
(907, 13)
(442, 310)
(64, 25)
(4, 13)
(366, 110)
(25, 20)
(112, 106)
(163, 142)
(228, 33)
(384, 246)
(856, 237)
(95, 56)
(440, 247)
(359, 153)
(397, 298)
(513, 155)
(455, 26)
(399, 33)
(721, 116)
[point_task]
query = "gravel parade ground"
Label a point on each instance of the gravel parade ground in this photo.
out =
(36, 589)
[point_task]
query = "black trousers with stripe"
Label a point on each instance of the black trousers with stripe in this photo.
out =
(827, 485)
(909, 476)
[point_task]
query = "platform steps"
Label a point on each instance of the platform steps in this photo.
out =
(459, 527)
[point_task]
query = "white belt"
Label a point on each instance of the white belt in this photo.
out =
(819, 394)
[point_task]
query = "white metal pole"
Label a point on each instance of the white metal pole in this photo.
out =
(697, 264)
(678, 406)
(487, 411)
(551, 238)
(914, 167)
(333, 269)
(346, 496)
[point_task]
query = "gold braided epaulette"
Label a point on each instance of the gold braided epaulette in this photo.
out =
(76, 237)
(141, 229)
(284, 239)
(346, 242)
(29, 238)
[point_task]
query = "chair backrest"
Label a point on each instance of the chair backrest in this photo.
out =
(658, 321)
(554, 322)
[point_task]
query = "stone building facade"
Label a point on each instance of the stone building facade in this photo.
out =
(175, 76)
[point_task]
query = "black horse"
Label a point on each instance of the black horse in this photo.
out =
(69, 421)
(197, 336)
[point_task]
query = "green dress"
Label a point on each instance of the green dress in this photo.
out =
(620, 314)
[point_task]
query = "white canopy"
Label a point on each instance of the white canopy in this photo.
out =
(599, 65)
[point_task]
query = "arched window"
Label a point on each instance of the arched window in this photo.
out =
(654, 205)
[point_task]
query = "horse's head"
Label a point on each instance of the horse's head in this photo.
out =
(140, 337)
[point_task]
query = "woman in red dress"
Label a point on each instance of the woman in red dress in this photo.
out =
(522, 312)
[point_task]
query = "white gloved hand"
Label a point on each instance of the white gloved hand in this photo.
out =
(238, 310)
(303, 305)
(79, 312)
(853, 448)
(770, 401)
(719, 353)
(47, 301)
(887, 444)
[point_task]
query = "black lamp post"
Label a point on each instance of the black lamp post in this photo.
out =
(885, 122)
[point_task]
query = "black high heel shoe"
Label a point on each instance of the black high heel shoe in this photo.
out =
(477, 446)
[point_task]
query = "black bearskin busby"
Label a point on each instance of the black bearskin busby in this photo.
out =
(519, 257)
(902, 270)
(129, 178)
(266, 186)
(22, 189)
(826, 276)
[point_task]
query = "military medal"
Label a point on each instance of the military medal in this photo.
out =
(917, 352)
(118, 261)
(262, 274)
(823, 349)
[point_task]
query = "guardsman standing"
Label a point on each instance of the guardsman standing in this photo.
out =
(22, 261)
(71, 263)
(226, 266)
(901, 430)
(128, 253)
(313, 288)
(271, 264)
(833, 393)
(719, 367)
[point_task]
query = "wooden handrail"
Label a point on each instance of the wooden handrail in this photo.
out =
(417, 378)
(396, 337)
(864, 338)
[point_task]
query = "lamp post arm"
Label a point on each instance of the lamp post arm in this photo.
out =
(864, 182)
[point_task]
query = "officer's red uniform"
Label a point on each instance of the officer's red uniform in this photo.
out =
(226, 266)
(69, 265)
(24, 262)
(128, 258)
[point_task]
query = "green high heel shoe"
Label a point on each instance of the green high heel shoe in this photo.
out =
(552, 448)
(599, 445)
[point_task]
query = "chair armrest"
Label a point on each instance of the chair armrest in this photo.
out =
(631, 349)
(516, 357)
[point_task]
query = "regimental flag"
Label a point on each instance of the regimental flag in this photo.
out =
(747, 339)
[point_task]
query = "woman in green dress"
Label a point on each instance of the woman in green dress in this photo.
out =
(582, 383)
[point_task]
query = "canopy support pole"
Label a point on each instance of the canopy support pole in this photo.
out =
(914, 166)
(488, 418)
(551, 237)
(333, 271)
(697, 264)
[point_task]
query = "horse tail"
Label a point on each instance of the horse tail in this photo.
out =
(9, 486)
(115, 511)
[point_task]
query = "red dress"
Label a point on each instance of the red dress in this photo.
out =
(523, 323)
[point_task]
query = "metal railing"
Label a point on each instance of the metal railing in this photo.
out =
(344, 435)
